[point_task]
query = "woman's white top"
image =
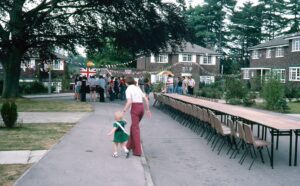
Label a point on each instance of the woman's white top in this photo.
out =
(134, 93)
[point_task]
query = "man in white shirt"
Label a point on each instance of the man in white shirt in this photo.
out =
(191, 85)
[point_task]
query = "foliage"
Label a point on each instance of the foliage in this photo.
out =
(282, 105)
(234, 101)
(273, 19)
(137, 25)
(256, 83)
(109, 55)
(206, 23)
(33, 88)
(273, 94)
(234, 89)
(291, 90)
(248, 100)
(9, 113)
(158, 87)
(214, 90)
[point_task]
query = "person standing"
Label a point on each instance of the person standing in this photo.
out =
(92, 83)
(170, 84)
(191, 85)
(184, 85)
(147, 87)
(135, 98)
(101, 84)
(179, 86)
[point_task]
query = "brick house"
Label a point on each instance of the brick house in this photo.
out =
(33, 69)
(279, 56)
(188, 60)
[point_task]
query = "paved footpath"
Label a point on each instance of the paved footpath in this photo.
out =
(175, 156)
(83, 157)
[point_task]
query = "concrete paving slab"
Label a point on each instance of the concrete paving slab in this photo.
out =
(35, 156)
(52, 117)
(14, 157)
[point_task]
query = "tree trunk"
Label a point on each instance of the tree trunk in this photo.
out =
(11, 66)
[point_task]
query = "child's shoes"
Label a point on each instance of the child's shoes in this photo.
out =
(115, 155)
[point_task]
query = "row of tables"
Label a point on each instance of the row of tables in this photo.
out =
(277, 123)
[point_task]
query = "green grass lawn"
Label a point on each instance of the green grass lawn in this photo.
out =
(10, 173)
(27, 137)
(294, 107)
(32, 136)
(27, 105)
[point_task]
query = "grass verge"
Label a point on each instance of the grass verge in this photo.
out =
(27, 137)
(28, 105)
(32, 136)
(294, 107)
(10, 173)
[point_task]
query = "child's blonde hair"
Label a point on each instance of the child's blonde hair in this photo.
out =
(118, 115)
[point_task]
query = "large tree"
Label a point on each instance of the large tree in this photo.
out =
(246, 31)
(41, 25)
(208, 23)
(293, 7)
(273, 19)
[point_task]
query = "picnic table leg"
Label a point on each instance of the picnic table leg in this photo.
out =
(272, 148)
(258, 131)
(296, 148)
(290, 151)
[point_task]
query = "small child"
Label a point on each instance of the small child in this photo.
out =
(120, 134)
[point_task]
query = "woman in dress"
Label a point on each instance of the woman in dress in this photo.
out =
(135, 97)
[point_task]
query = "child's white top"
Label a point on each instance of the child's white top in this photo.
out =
(134, 93)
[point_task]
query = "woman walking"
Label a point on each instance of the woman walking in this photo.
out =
(135, 98)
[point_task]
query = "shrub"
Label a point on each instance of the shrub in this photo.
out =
(157, 87)
(234, 101)
(273, 94)
(291, 91)
(234, 89)
(248, 100)
(33, 88)
(9, 113)
(282, 105)
(210, 92)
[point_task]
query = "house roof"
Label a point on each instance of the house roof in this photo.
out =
(295, 35)
(59, 56)
(188, 47)
(274, 42)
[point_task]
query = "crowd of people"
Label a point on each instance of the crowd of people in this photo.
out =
(180, 85)
(106, 87)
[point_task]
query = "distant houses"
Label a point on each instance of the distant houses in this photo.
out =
(279, 56)
(36, 69)
(189, 60)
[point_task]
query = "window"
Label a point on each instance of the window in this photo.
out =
(162, 58)
(280, 74)
(207, 60)
(246, 74)
(268, 53)
(207, 79)
(255, 54)
(279, 52)
(56, 65)
(296, 45)
(186, 57)
(294, 74)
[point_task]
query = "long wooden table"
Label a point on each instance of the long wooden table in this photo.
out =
(275, 122)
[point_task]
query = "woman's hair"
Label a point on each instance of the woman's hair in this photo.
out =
(130, 80)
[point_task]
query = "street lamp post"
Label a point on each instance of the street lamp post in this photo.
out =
(49, 83)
